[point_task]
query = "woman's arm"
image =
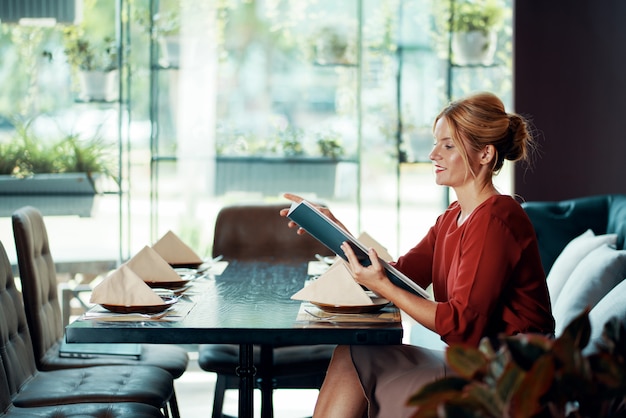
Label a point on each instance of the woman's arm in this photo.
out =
(374, 278)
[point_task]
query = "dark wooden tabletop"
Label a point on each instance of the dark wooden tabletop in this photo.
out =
(249, 303)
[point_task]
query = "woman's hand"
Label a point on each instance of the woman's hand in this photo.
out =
(284, 212)
(298, 199)
(373, 276)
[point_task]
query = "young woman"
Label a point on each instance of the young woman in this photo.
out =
(481, 257)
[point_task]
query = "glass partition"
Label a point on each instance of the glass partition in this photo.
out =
(226, 102)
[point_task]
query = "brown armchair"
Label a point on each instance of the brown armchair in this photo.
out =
(258, 232)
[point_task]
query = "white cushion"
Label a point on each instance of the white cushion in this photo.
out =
(569, 258)
(613, 304)
(593, 277)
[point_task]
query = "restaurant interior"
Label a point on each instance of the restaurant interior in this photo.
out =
(123, 120)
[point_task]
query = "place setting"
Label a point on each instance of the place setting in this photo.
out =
(184, 260)
(331, 295)
(124, 296)
(146, 287)
(335, 297)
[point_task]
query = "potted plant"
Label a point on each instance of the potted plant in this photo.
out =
(330, 145)
(95, 64)
(332, 45)
(532, 375)
(48, 174)
(473, 27)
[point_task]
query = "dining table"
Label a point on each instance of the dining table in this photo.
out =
(248, 303)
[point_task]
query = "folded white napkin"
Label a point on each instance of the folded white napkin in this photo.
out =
(123, 287)
(336, 287)
(151, 267)
(369, 242)
(175, 251)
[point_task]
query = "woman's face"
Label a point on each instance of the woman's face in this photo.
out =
(450, 168)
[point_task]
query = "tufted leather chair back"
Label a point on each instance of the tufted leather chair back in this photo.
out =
(256, 232)
(557, 223)
(16, 349)
(5, 394)
(39, 279)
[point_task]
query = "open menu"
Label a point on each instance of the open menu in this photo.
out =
(322, 228)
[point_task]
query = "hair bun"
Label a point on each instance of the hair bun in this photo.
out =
(518, 138)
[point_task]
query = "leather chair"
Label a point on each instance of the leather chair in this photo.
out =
(258, 232)
(96, 410)
(29, 387)
(43, 311)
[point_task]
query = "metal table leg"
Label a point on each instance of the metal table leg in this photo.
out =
(246, 373)
(267, 382)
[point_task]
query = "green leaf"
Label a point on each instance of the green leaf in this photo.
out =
(525, 349)
(577, 332)
(614, 337)
(467, 361)
(526, 401)
(440, 388)
(487, 399)
(608, 372)
(508, 383)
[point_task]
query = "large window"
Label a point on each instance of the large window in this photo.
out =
(224, 102)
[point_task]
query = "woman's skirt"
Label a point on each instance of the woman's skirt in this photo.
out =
(391, 374)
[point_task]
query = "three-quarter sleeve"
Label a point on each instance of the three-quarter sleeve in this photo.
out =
(486, 273)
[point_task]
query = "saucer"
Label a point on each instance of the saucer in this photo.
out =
(186, 265)
(378, 304)
(176, 284)
(142, 309)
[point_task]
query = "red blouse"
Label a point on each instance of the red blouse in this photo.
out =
(486, 273)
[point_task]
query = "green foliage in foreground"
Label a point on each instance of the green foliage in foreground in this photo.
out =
(532, 375)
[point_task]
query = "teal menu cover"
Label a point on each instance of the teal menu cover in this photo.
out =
(322, 228)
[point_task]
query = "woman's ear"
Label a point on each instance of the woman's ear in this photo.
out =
(487, 154)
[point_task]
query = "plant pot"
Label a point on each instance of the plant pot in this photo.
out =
(99, 85)
(53, 194)
(474, 47)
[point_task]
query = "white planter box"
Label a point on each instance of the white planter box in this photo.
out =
(273, 176)
(53, 194)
